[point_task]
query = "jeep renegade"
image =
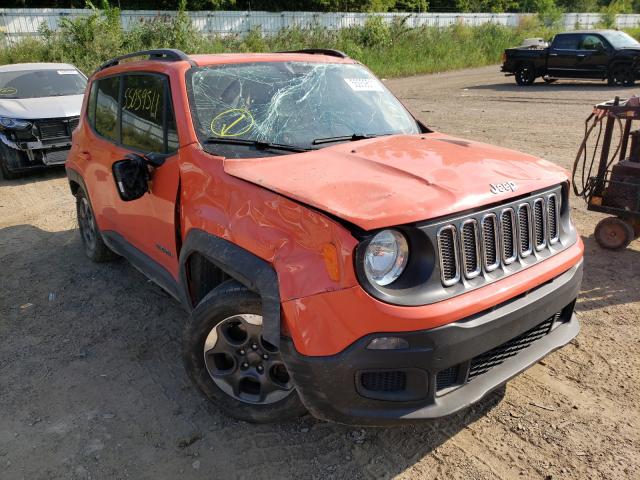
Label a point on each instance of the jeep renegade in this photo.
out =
(335, 255)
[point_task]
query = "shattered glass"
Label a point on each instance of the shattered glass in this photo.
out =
(292, 103)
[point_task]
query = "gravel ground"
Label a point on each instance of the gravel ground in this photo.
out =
(92, 386)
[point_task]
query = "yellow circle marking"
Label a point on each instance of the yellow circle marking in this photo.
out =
(232, 123)
(8, 91)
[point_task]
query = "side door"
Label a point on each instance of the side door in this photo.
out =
(563, 56)
(147, 124)
(593, 56)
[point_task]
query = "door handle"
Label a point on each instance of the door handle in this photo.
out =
(581, 55)
(84, 155)
(553, 54)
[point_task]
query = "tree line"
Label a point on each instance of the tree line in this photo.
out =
(493, 6)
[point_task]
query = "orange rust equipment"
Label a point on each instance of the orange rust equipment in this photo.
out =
(614, 187)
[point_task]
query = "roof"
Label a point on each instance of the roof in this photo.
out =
(17, 67)
(222, 58)
(589, 31)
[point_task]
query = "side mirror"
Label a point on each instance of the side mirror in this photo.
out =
(132, 177)
(132, 174)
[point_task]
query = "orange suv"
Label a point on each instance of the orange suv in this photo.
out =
(335, 255)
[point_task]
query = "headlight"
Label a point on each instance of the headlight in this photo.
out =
(14, 123)
(386, 257)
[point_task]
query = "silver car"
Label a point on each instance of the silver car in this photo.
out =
(39, 108)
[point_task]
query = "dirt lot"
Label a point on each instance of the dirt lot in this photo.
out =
(92, 386)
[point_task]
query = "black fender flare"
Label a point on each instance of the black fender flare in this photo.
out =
(74, 176)
(250, 270)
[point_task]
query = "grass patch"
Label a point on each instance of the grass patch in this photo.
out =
(389, 50)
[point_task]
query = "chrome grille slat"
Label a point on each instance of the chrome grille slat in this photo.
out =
(508, 234)
(477, 244)
(553, 213)
(525, 243)
(448, 253)
(470, 247)
(490, 242)
(539, 224)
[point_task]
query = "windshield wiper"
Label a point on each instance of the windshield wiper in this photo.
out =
(345, 138)
(256, 143)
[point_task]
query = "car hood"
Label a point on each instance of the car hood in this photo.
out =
(399, 179)
(44, 107)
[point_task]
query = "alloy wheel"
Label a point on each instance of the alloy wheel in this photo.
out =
(87, 223)
(242, 364)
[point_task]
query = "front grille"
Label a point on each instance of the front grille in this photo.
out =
(483, 363)
(56, 128)
(477, 243)
(391, 381)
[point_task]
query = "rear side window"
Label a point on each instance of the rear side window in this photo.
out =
(566, 42)
(106, 109)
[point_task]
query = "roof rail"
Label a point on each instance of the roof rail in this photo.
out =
(167, 54)
(319, 51)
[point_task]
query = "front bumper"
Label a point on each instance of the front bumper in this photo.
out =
(431, 378)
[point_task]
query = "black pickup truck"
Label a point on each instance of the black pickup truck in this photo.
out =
(597, 54)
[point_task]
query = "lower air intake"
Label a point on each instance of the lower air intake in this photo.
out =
(392, 381)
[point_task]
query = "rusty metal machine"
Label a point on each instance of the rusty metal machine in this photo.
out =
(606, 171)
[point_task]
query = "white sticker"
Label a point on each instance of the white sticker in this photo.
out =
(67, 72)
(364, 84)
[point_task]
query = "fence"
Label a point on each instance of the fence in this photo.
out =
(16, 23)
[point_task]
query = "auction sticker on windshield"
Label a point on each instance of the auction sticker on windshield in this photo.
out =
(364, 84)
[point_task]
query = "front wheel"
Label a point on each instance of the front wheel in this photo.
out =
(227, 358)
(7, 172)
(525, 74)
(621, 76)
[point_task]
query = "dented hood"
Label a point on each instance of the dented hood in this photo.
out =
(398, 179)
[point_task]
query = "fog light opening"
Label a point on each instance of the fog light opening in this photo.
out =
(388, 343)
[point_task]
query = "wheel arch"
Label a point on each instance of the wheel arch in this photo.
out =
(212, 260)
(75, 181)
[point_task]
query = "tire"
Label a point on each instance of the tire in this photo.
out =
(613, 233)
(621, 75)
(7, 173)
(94, 246)
(223, 352)
(525, 74)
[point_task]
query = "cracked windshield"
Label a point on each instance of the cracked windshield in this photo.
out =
(258, 109)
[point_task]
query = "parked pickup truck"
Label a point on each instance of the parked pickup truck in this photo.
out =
(598, 54)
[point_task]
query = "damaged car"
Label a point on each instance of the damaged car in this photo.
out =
(334, 254)
(39, 108)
